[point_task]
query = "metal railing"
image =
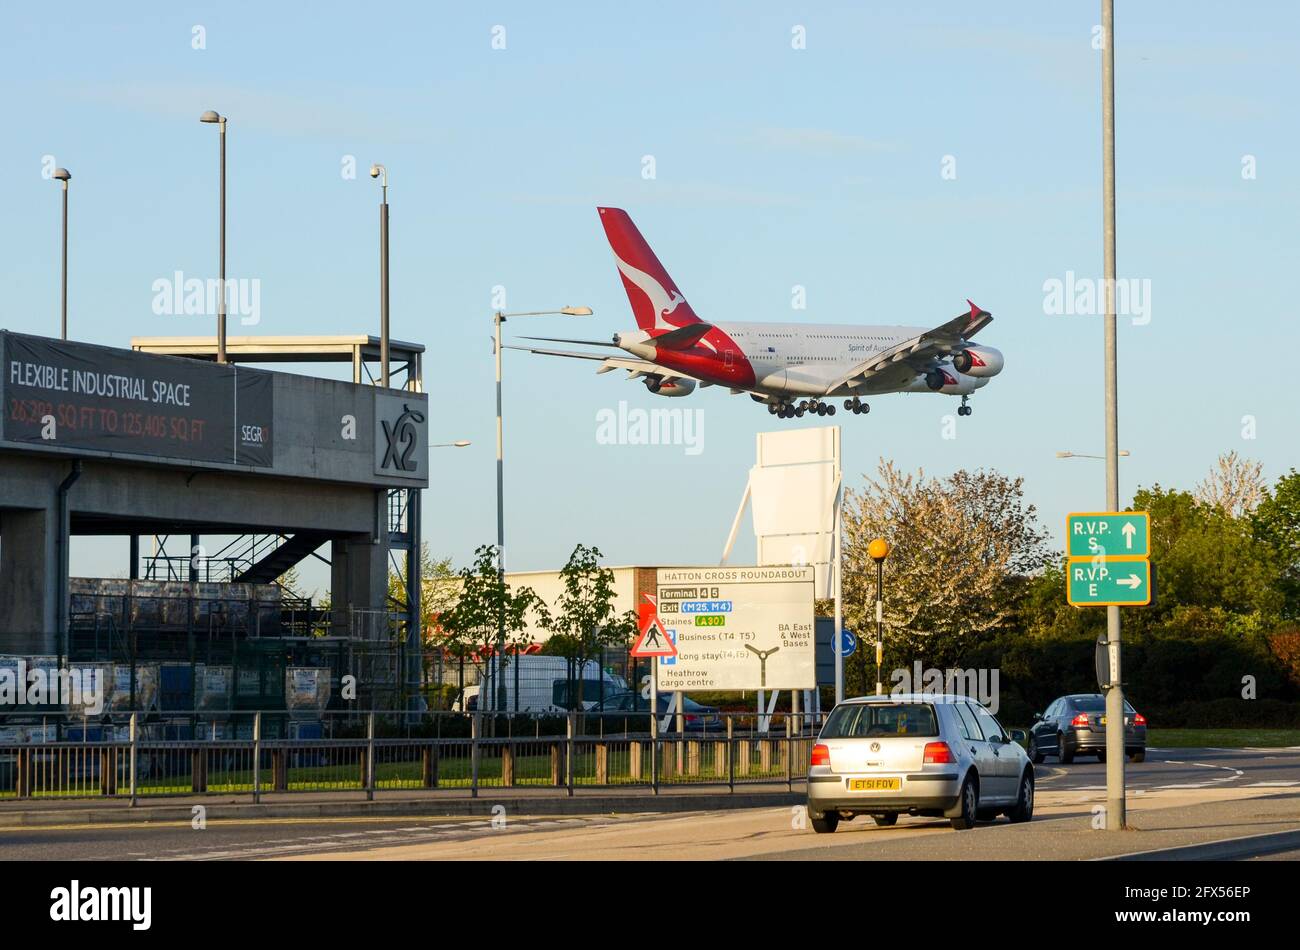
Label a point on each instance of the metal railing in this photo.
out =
(137, 756)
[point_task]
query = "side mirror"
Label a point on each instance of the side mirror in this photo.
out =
(1038, 717)
(1019, 735)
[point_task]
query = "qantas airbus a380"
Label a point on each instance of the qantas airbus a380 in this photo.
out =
(793, 368)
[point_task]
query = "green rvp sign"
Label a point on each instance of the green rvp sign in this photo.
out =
(1108, 534)
(1104, 582)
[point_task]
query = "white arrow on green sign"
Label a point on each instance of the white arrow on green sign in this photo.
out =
(1108, 533)
(1103, 582)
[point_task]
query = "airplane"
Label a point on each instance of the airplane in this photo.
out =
(792, 368)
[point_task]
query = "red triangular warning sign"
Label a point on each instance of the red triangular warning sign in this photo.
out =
(654, 639)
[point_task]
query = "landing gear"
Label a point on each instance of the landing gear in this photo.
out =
(963, 409)
(856, 406)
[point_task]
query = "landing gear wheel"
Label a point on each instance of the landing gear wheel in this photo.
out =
(799, 412)
(851, 405)
(969, 806)
(1062, 752)
(827, 825)
(963, 409)
(1024, 809)
(830, 410)
(887, 820)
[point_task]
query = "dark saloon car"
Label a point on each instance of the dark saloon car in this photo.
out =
(1076, 725)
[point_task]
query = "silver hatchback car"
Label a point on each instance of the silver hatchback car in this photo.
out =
(917, 754)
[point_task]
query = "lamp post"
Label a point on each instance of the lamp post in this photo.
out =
(450, 445)
(499, 318)
(65, 176)
(1083, 455)
(1116, 806)
(380, 172)
(212, 118)
(878, 550)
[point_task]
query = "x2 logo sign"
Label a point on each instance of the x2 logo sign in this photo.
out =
(403, 438)
(401, 443)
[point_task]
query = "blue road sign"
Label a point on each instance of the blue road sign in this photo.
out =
(848, 643)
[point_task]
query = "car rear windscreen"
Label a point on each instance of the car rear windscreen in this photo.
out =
(866, 720)
(1095, 704)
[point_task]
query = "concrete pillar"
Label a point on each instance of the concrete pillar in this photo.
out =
(29, 572)
(358, 578)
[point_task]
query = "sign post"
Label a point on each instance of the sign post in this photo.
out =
(1109, 565)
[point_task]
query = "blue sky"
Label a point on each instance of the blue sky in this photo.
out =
(775, 167)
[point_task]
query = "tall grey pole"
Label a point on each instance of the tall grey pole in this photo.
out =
(498, 318)
(383, 285)
(221, 298)
(1116, 817)
(65, 259)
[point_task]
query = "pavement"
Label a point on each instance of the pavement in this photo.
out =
(1178, 799)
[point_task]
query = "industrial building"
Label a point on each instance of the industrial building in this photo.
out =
(162, 445)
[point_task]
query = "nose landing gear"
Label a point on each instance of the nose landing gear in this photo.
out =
(963, 409)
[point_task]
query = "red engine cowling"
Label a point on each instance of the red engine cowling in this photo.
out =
(669, 387)
(979, 361)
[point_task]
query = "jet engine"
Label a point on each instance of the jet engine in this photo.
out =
(669, 387)
(978, 361)
(945, 379)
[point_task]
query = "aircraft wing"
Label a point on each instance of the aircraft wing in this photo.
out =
(896, 366)
(635, 368)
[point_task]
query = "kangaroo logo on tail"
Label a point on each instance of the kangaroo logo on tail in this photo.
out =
(650, 290)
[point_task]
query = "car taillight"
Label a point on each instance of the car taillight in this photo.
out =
(1080, 721)
(821, 755)
(938, 753)
(690, 718)
(1139, 719)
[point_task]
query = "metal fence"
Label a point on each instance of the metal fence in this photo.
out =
(136, 757)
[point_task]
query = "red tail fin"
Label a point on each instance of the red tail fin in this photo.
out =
(655, 299)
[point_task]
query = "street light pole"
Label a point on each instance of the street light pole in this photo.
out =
(878, 550)
(65, 176)
(1116, 817)
(376, 171)
(499, 318)
(210, 118)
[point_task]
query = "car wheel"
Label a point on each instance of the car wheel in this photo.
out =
(827, 825)
(1024, 809)
(1138, 756)
(887, 820)
(1101, 756)
(1034, 755)
(970, 800)
(1062, 752)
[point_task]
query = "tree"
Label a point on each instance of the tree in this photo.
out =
(963, 548)
(1276, 522)
(585, 622)
(1207, 559)
(1235, 486)
(439, 590)
(486, 606)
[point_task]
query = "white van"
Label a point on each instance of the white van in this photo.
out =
(544, 686)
